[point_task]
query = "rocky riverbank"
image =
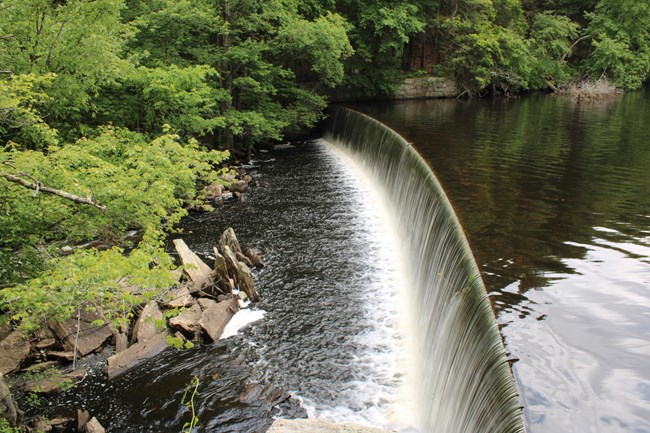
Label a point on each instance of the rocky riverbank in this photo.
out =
(196, 309)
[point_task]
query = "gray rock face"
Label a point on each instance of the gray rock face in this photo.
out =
(317, 426)
(13, 351)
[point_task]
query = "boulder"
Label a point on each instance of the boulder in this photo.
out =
(216, 316)
(242, 258)
(255, 257)
(8, 408)
(222, 279)
(188, 321)
(83, 416)
(228, 238)
(93, 426)
(180, 298)
(198, 272)
(238, 186)
(135, 355)
(245, 281)
(43, 339)
(55, 383)
(14, 349)
(145, 327)
(214, 191)
(88, 339)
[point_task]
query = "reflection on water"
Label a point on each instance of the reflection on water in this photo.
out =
(555, 199)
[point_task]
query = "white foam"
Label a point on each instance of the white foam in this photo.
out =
(241, 319)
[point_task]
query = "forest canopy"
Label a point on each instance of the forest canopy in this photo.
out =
(113, 113)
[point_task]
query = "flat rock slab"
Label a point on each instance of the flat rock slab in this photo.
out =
(199, 273)
(89, 339)
(179, 298)
(188, 321)
(135, 355)
(13, 351)
(55, 384)
(317, 426)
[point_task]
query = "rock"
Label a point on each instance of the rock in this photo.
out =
(206, 303)
(67, 250)
(317, 426)
(199, 273)
(242, 258)
(93, 426)
(214, 191)
(216, 317)
(83, 416)
(8, 408)
(246, 284)
(145, 327)
(14, 349)
(55, 383)
(222, 279)
(231, 261)
(121, 342)
(89, 338)
(62, 356)
(135, 355)
(43, 339)
(188, 321)
(238, 186)
(180, 298)
(255, 257)
(228, 238)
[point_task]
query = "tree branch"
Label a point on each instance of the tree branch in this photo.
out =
(39, 187)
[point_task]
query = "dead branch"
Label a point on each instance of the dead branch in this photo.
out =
(39, 187)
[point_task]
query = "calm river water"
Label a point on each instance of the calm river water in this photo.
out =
(555, 199)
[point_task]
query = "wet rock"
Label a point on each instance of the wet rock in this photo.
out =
(228, 238)
(14, 349)
(198, 272)
(55, 383)
(216, 316)
(188, 321)
(145, 327)
(93, 426)
(255, 394)
(222, 279)
(238, 186)
(231, 261)
(214, 191)
(87, 339)
(180, 298)
(255, 257)
(245, 281)
(83, 416)
(242, 258)
(135, 355)
(8, 408)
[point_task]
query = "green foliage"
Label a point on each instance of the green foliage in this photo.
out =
(6, 428)
(21, 99)
(621, 42)
(189, 395)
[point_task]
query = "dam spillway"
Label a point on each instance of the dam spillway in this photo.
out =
(463, 382)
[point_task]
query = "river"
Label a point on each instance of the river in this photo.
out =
(554, 197)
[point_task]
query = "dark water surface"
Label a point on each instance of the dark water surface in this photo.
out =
(555, 199)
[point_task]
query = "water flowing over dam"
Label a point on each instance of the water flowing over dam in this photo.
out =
(463, 380)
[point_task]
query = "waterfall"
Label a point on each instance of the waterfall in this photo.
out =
(463, 380)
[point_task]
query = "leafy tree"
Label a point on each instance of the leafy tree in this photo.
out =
(79, 41)
(621, 42)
